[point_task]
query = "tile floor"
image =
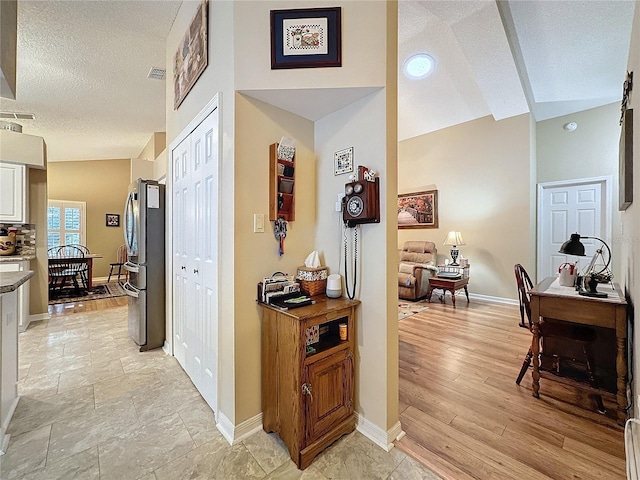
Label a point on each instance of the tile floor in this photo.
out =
(93, 407)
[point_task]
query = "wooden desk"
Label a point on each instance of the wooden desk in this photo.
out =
(88, 259)
(550, 300)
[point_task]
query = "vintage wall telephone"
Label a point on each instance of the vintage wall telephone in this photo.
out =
(361, 204)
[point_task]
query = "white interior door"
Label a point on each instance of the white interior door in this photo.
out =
(195, 255)
(578, 206)
(180, 287)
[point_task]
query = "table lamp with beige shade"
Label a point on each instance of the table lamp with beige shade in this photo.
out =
(454, 239)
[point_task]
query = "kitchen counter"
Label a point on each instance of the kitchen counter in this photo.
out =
(17, 258)
(10, 281)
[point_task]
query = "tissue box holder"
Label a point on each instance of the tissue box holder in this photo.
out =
(313, 281)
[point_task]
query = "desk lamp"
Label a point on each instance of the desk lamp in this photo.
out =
(593, 275)
(454, 239)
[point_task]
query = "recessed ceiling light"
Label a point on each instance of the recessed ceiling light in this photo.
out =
(570, 127)
(418, 66)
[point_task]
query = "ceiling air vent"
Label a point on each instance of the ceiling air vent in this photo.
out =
(17, 116)
(14, 127)
(157, 73)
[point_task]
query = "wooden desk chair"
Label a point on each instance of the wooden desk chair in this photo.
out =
(61, 272)
(564, 332)
(121, 258)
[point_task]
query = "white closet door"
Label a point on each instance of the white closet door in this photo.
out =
(209, 260)
(180, 174)
(195, 226)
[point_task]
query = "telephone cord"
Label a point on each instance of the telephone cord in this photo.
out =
(351, 295)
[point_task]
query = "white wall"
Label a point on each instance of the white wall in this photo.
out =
(362, 44)
(589, 151)
(361, 126)
(630, 232)
(239, 59)
(482, 172)
(217, 78)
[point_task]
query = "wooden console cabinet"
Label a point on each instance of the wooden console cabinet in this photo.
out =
(307, 393)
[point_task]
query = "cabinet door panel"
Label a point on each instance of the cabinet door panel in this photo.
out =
(13, 203)
(331, 399)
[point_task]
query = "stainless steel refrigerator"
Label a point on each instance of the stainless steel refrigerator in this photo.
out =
(144, 221)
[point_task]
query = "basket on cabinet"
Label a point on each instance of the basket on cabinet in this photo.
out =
(313, 281)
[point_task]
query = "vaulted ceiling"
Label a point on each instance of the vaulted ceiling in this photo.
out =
(82, 67)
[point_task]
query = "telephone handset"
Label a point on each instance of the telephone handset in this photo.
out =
(361, 202)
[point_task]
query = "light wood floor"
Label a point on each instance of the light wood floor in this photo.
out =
(60, 309)
(465, 418)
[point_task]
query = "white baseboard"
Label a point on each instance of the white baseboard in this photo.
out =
(488, 298)
(4, 437)
(235, 434)
(384, 439)
(33, 318)
(167, 348)
(4, 441)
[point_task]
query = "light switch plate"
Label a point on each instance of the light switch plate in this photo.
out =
(258, 223)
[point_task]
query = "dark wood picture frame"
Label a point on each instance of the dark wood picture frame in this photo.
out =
(191, 58)
(418, 210)
(112, 220)
(292, 35)
(625, 180)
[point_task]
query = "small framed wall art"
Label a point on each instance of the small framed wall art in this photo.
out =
(343, 161)
(113, 220)
(306, 38)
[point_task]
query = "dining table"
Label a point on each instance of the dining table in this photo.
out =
(87, 259)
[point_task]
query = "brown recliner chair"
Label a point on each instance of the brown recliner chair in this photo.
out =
(416, 265)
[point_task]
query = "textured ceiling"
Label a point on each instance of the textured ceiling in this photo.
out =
(82, 67)
(505, 58)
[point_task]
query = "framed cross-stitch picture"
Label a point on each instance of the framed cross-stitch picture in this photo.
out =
(306, 38)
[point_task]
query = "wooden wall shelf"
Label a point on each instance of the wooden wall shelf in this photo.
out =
(281, 186)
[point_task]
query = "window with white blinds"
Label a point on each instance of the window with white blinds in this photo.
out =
(66, 223)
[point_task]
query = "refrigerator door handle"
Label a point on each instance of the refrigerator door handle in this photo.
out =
(131, 290)
(131, 267)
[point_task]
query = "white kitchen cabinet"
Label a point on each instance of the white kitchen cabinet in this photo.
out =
(13, 193)
(23, 290)
(8, 363)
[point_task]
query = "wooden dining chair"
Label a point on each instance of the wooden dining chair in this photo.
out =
(85, 267)
(565, 333)
(121, 258)
(61, 271)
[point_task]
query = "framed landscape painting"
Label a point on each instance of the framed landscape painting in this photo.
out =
(418, 210)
